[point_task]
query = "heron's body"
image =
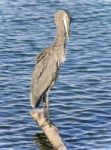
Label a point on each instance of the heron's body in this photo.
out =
(47, 65)
(45, 73)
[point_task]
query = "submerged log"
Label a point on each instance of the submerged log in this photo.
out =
(49, 129)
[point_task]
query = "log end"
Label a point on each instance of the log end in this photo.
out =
(48, 128)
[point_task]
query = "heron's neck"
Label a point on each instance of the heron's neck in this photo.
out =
(60, 38)
(59, 46)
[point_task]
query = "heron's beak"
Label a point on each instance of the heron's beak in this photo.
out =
(66, 25)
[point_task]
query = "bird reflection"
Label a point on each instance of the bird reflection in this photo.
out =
(41, 139)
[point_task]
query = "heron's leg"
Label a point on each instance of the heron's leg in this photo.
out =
(47, 99)
(46, 106)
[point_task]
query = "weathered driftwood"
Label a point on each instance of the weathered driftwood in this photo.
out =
(49, 129)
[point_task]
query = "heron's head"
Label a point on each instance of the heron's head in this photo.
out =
(62, 20)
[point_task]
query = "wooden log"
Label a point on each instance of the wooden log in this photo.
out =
(49, 129)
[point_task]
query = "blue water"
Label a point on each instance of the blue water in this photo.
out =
(80, 102)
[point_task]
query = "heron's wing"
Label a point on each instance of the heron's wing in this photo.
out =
(43, 55)
(45, 72)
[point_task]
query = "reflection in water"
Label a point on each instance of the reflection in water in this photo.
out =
(43, 142)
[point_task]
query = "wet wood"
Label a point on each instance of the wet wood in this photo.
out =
(49, 129)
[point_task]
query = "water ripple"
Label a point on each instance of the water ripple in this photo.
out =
(80, 102)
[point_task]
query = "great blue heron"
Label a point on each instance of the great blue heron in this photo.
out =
(48, 62)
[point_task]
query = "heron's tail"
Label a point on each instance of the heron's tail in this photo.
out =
(35, 102)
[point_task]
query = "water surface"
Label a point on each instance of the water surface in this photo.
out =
(80, 102)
